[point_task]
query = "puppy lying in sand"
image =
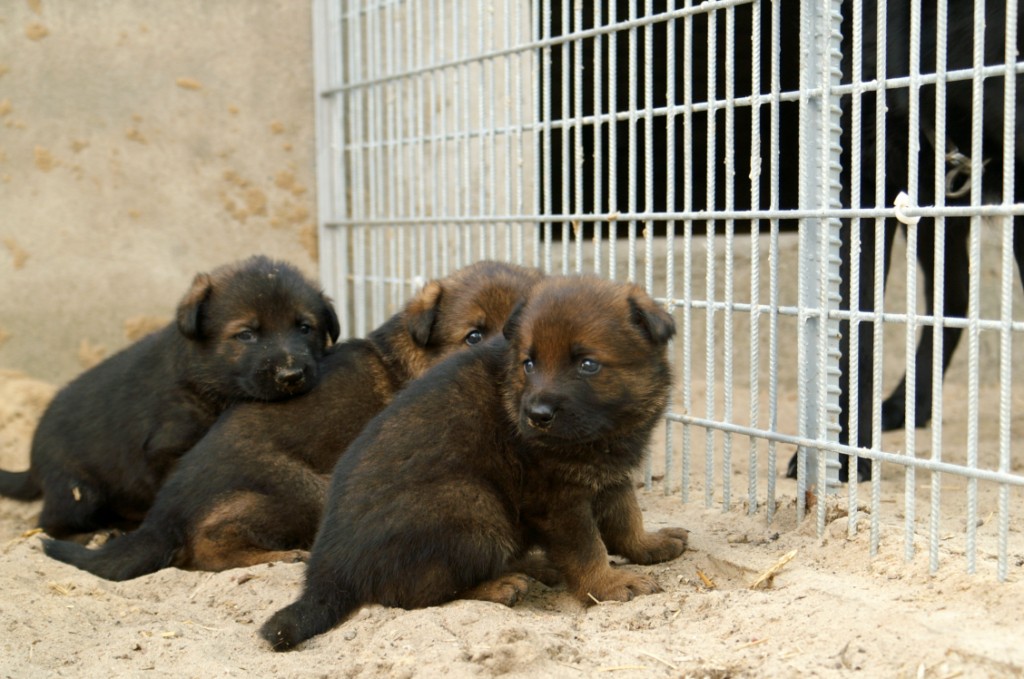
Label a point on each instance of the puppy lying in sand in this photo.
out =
(253, 489)
(252, 330)
(529, 440)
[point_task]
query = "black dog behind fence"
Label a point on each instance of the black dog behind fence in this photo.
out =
(617, 168)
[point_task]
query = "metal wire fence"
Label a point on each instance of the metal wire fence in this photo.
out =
(753, 164)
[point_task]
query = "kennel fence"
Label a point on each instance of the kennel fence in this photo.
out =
(737, 142)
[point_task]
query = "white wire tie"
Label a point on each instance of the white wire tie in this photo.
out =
(901, 203)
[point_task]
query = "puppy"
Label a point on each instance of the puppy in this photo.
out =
(529, 440)
(252, 330)
(253, 489)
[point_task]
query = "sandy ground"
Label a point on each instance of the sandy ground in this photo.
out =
(833, 610)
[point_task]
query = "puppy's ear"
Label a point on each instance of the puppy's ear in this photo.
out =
(190, 308)
(329, 317)
(655, 323)
(421, 312)
(511, 327)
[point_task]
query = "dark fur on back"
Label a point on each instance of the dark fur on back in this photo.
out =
(253, 488)
(253, 330)
(521, 442)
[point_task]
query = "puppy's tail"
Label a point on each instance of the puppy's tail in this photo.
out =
(123, 558)
(19, 485)
(307, 617)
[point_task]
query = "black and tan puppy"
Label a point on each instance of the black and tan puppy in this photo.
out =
(253, 489)
(529, 442)
(252, 330)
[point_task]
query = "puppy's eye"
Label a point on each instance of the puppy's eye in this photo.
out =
(246, 336)
(528, 366)
(474, 337)
(589, 366)
(305, 328)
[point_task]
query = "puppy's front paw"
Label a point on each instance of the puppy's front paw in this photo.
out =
(506, 590)
(666, 544)
(539, 567)
(297, 556)
(619, 585)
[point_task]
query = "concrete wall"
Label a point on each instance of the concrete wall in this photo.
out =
(140, 142)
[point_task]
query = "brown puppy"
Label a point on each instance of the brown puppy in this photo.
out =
(253, 489)
(514, 444)
(253, 330)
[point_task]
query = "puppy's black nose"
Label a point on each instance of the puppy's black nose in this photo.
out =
(290, 377)
(541, 415)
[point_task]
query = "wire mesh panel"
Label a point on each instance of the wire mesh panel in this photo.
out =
(759, 167)
(426, 142)
(927, 87)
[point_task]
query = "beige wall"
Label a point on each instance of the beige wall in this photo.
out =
(140, 142)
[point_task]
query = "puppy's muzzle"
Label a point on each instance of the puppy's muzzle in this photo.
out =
(290, 378)
(540, 415)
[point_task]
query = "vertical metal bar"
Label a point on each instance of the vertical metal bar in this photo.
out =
(1006, 346)
(413, 89)
(465, 126)
(670, 226)
(598, 106)
(910, 341)
(613, 149)
(829, 133)
(578, 66)
(773, 253)
(394, 274)
(415, 25)
(436, 145)
(443, 143)
(506, 106)
(358, 71)
(686, 378)
(938, 283)
(544, 93)
(359, 278)
(730, 204)
(394, 180)
(566, 115)
(973, 304)
(879, 276)
(477, 132)
(330, 167)
(404, 143)
(539, 64)
(487, 173)
(648, 231)
(527, 113)
(632, 145)
(910, 355)
(376, 159)
(366, 142)
(513, 74)
(339, 162)
(808, 266)
(455, 140)
(1005, 375)
(819, 286)
(755, 253)
(709, 280)
(377, 253)
(853, 347)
